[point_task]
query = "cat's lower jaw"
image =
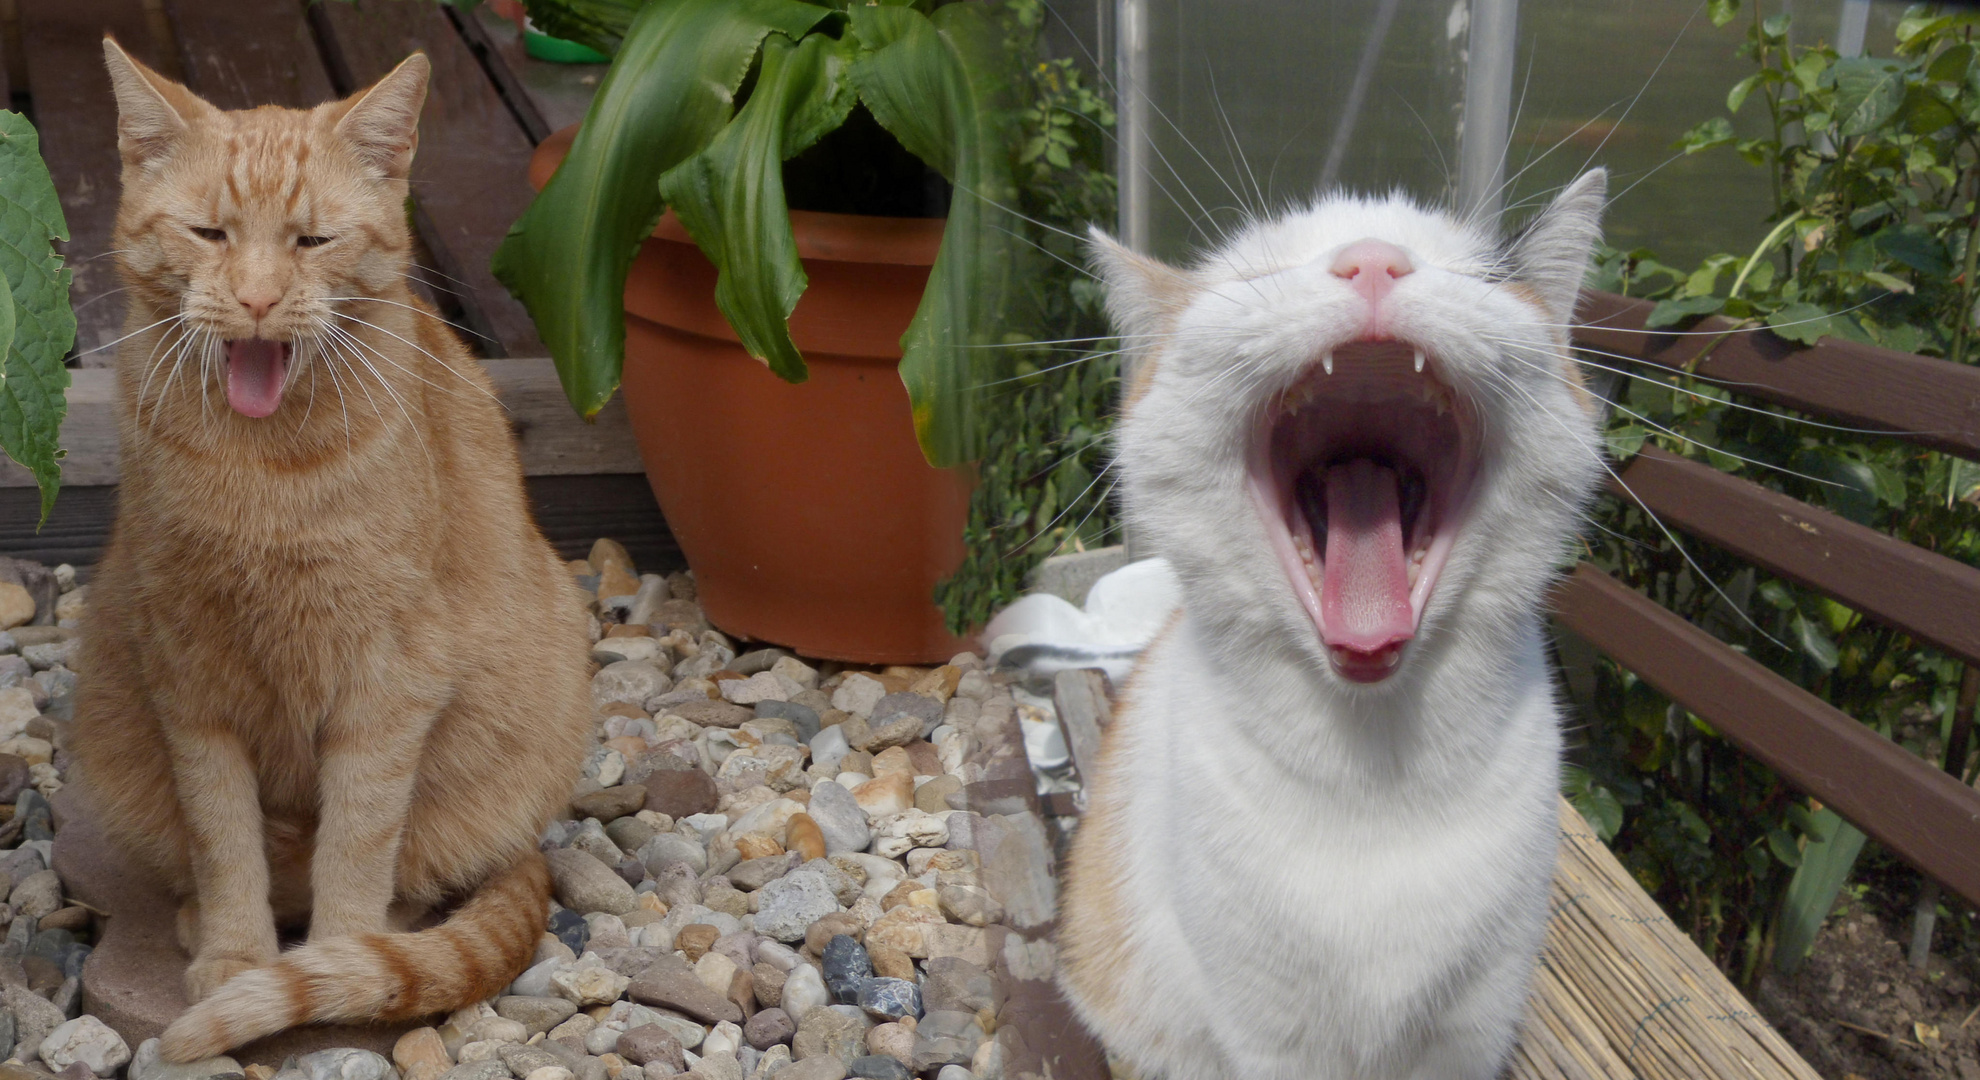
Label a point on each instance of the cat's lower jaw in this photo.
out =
(1360, 473)
(1367, 906)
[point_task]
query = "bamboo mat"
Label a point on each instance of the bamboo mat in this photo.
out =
(1621, 993)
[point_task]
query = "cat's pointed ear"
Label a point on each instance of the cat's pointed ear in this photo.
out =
(1550, 255)
(153, 112)
(382, 123)
(1143, 294)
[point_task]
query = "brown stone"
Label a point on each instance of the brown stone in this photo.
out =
(627, 630)
(922, 754)
(422, 1054)
(605, 552)
(832, 718)
(725, 675)
(628, 746)
(649, 1043)
(720, 714)
(696, 939)
(933, 796)
(678, 615)
(134, 981)
(890, 962)
(616, 582)
(612, 803)
(899, 894)
(802, 835)
(939, 684)
(769, 984)
(818, 934)
(671, 982)
(70, 918)
(758, 846)
(742, 991)
(680, 793)
(620, 708)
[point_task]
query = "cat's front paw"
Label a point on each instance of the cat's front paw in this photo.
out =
(209, 973)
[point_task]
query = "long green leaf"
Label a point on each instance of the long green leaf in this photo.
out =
(731, 195)
(933, 83)
(33, 382)
(670, 90)
(1825, 867)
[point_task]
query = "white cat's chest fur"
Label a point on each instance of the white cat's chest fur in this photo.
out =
(1299, 925)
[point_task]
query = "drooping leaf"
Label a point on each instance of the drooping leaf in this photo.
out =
(1717, 131)
(1815, 642)
(599, 24)
(1673, 312)
(33, 382)
(671, 88)
(1868, 92)
(1825, 867)
(1723, 11)
(731, 195)
(933, 83)
(1802, 323)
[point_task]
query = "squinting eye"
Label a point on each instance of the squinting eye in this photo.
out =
(215, 235)
(313, 241)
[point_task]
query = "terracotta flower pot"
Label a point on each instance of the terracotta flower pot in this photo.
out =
(807, 512)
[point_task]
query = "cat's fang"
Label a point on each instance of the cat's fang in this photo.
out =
(1419, 361)
(1327, 362)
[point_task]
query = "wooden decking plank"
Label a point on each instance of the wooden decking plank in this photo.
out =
(550, 437)
(558, 94)
(572, 511)
(470, 176)
(238, 56)
(62, 44)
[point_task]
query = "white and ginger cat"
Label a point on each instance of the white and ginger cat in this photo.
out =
(335, 676)
(1323, 826)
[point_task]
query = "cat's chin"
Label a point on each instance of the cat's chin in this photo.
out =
(1360, 472)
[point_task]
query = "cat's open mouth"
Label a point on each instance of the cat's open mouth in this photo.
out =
(1360, 475)
(257, 369)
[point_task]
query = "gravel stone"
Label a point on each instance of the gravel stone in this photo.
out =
(672, 983)
(830, 1033)
(839, 818)
(86, 1040)
(535, 1013)
(804, 717)
(816, 1068)
(147, 1065)
(649, 1043)
(584, 884)
(612, 803)
(880, 1067)
(768, 1028)
(680, 793)
(804, 990)
(889, 998)
(846, 967)
(858, 694)
(792, 903)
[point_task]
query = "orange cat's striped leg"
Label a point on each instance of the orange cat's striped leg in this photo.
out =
(221, 797)
(369, 749)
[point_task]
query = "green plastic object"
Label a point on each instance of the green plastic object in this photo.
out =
(560, 51)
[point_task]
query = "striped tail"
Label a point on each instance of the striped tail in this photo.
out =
(471, 957)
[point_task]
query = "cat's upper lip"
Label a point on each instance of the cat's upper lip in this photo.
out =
(1367, 455)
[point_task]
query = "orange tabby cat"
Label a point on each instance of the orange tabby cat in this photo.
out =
(335, 675)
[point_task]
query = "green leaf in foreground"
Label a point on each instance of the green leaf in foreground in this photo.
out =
(33, 381)
(927, 86)
(731, 195)
(669, 92)
(1801, 323)
(1825, 867)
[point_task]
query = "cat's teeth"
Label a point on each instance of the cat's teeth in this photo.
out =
(1327, 362)
(1419, 361)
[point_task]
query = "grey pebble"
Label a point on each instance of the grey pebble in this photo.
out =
(789, 905)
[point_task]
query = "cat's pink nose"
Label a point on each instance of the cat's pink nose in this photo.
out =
(258, 302)
(1372, 267)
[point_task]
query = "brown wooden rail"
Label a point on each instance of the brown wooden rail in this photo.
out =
(1927, 817)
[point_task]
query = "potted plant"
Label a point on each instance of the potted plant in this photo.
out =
(37, 327)
(819, 496)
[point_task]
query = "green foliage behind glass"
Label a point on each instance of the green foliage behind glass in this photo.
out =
(1040, 483)
(1874, 166)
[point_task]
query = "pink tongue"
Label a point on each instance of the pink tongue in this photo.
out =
(1364, 594)
(255, 369)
